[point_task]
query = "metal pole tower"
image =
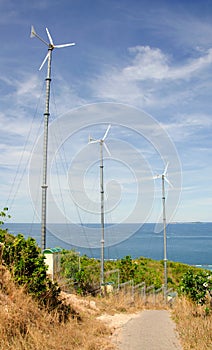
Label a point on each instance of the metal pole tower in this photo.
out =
(102, 143)
(44, 185)
(45, 153)
(164, 236)
(102, 213)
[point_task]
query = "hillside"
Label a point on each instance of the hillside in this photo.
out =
(24, 325)
(35, 314)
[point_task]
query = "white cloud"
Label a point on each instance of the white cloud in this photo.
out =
(28, 87)
(184, 126)
(152, 63)
(170, 85)
(147, 64)
(151, 78)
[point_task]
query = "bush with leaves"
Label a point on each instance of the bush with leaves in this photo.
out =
(4, 215)
(128, 269)
(24, 260)
(196, 285)
(83, 273)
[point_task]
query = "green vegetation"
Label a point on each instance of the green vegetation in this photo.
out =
(26, 264)
(83, 274)
(197, 285)
(32, 324)
(4, 215)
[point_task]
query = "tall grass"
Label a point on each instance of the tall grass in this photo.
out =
(127, 303)
(194, 324)
(24, 326)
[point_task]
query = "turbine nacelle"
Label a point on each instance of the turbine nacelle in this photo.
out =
(101, 141)
(163, 176)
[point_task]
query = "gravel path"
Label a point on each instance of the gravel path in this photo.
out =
(150, 330)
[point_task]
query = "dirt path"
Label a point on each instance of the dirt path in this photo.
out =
(148, 330)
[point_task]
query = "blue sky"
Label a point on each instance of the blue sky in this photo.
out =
(150, 56)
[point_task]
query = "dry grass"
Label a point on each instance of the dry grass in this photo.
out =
(127, 303)
(193, 325)
(24, 326)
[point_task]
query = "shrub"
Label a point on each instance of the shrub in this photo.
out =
(196, 285)
(82, 272)
(24, 260)
(127, 269)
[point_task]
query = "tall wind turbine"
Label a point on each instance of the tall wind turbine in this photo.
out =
(102, 143)
(164, 178)
(51, 46)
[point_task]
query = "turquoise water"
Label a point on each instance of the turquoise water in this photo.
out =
(190, 243)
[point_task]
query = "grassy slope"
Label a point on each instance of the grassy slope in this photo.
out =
(194, 325)
(24, 326)
(139, 270)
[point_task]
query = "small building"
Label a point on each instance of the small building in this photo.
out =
(52, 260)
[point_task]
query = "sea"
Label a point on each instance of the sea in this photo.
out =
(189, 243)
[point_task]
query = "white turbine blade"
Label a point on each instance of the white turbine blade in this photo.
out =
(105, 146)
(49, 36)
(156, 177)
(165, 178)
(165, 170)
(64, 45)
(33, 32)
(105, 135)
(44, 61)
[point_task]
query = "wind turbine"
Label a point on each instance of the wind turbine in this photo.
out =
(164, 178)
(51, 46)
(102, 143)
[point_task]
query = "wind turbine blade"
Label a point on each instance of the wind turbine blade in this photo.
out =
(105, 146)
(44, 61)
(168, 181)
(105, 135)
(49, 36)
(63, 45)
(156, 177)
(33, 32)
(165, 170)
